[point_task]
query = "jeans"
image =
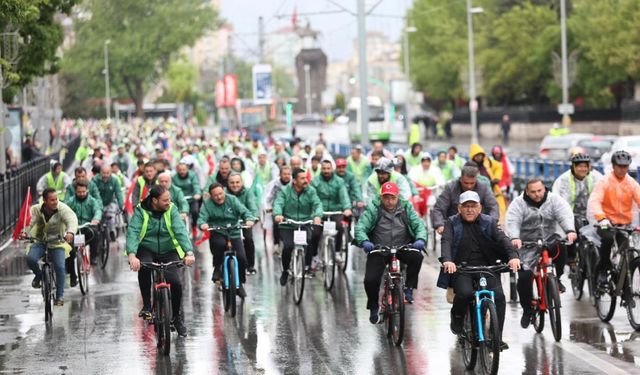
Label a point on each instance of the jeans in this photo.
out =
(57, 259)
(171, 276)
(375, 269)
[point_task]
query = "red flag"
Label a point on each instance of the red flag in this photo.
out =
(205, 237)
(294, 18)
(25, 215)
(128, 205)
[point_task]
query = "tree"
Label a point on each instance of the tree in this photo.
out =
(181, 77)
(144, 36)
(41, 35)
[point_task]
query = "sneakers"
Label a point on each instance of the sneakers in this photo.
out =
(251, 271)
(73, 281)
(526, 319)
(277, 250)
(36, 283)
(241, 292)
(503, 345)
(58, 302)
(145, 313)
(178, 325)
(374, 316)
(408, 295)
(284, 277)
(456, 324)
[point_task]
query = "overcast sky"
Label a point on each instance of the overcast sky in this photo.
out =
(337, 30)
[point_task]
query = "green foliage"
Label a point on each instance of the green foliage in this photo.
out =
(283, 83)
(144, 36)
(181, 77)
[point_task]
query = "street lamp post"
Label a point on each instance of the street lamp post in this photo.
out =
(408, 29)
(473, 103)
(362, 73)
(107, 89)
(566, 120)
(307, 87)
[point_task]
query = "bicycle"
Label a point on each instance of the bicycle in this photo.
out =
(48, 276)
(329, 249)
(546, 291)
(298, 263)
(83, 260)
(230, 269)
(342, 254)
(107, 227)
(582, 269)
(481, 329)
(161, 313)
(623, 279)
(393, 297)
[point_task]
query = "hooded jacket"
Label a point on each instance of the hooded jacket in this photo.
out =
(190, 185)
(109, 191)
(529, 221)
(613, 199)
(369, 220)
(332, 193)
(494, 170)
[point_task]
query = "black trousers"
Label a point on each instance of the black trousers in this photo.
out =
(276, 231)
(218, 245)
(606, 237)
(92, 238)
(194, 211)
(375, 269)
(249, 247)
(286, 235)
(171, 275)
(463, 286)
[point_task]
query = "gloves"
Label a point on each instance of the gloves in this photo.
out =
(368, 246)
(418, 245)
(604, 223)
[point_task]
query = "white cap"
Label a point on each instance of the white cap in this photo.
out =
(469, 195)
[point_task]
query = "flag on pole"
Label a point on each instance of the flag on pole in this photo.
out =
(205, 238)
(25, 215)
(294, 18)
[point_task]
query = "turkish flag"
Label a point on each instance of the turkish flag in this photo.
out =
(25, 215)
(205, 237)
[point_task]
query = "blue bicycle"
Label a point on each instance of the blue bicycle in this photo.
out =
(481, 331)
(230, 269)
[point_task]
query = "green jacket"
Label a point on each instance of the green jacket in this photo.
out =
(353, 187)
(177, 198)
(333, 193)
(189, 185)
(300, 207)
(229, 213)
(248, 199)
(93, 191)
(109, 190)
(86, 210)
(157, 237)
(369, 220)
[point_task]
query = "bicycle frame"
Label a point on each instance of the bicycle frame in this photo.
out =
(481, 295)
(229, 254)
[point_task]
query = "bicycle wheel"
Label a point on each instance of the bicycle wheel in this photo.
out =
(605, 298)
(231, 288)
(587, 259)
(329, 264)
(576, 275)
(297, 277)
(163, 321)
(490, 347)
(396, 319)
(553, 306)
(104, 250)
(467, 340)
(82, 271)
(47, 292)
(633, 306)
(344, 252)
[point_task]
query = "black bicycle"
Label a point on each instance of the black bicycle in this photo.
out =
(161, 313)
(582, 269)
(298, 263)
(48, 282)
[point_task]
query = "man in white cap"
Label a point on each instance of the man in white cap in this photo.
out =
(475, 239)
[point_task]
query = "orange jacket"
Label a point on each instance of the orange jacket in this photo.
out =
(613, 199)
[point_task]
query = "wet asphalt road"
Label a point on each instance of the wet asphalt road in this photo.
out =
(328, 333)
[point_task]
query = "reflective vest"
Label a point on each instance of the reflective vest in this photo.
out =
(57, 184)
(141, 183)
(264, 173)
(167, 221)
(572, 188)
(358, 169)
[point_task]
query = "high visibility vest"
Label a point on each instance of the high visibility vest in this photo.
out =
(141, 183)
(264, 173)
(358, 169)
(57, 184)
(167, 221)
(572, 188)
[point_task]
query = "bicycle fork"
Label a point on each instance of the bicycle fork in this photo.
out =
(480, 296)
(229, 256)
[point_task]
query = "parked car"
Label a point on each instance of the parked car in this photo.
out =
(631, 144)
(559, 147)
(597, 146)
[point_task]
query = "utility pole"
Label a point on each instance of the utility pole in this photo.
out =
(307, 87)
(107, 89)
(362, 73)
(566, 120)
(473, 104)
(260, 40)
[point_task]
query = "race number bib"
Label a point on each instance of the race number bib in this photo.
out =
(78, 240)
(300, 237)
(329, 226)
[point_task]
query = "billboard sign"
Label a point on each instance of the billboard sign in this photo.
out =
(262, 84)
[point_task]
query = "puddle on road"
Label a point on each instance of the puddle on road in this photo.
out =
(603, 336)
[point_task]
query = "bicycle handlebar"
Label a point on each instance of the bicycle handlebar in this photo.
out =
(162, 266)
(228, 227)
(620, 228)
(295, 222)
(331, 213)
(47, 241)
(85, 225)
(499, 268)
(385, 250)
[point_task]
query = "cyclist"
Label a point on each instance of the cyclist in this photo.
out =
(110, 193)
(332, 192)
(157, 234)
(426, 174)
(220, 210)
(222, 177)
(123, 180)
(493, 171)
(248, 199)
(123, 160)
(314, 169)
(88, 210)
(611, 203)
(389, 221)
(54, 179)
(384, 173)
(358, 165)
(449, 169)
(353, 187)
(80, 173)
(188, 182)
(475, 239)
(177, 197)
(51, 219)
(413, 156)
(447, 202)
(532, 216)
(452, 154)
(575, 187)
(144, 183)
(498, 154)
(297, 201)
(269, 197)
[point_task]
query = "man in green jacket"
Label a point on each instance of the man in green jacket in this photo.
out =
(249, 200)
(358, 164)
(333, 194)
(156, 233)
(188, 182)
(111, 195)
(87, 210)
(353, 187)
(389, 221)
(177, 197)
(221, 210)
(79, 174)
(297, 201)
